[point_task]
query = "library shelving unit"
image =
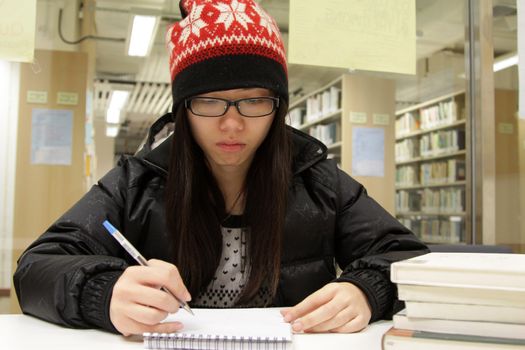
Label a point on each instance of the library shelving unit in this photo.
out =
(431, 173)
(319, 115)
(333, 112)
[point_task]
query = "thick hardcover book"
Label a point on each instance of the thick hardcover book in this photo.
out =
(474, 270)
(401, 339)
(225, 329)
(456, 295)
(467, 312)
(479, 328)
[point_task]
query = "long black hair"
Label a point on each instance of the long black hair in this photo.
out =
(195, 207)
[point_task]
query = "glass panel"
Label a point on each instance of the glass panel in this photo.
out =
(431, 147)
(509, 130)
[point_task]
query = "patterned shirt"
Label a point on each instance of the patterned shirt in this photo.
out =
(231, 275)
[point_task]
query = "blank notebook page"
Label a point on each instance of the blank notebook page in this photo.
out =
(227, 323)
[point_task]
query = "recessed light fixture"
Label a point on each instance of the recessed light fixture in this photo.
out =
(116, 103)
(505, 61)
(143, 30)
(112, 130)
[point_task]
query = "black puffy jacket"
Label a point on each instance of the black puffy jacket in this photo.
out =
(67, 275)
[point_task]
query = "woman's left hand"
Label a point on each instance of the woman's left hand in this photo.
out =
(338, 307)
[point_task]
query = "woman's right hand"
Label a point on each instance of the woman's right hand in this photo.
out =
(138, 304)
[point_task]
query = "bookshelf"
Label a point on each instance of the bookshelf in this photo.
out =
(332, 114)
(431, 173)
(319, 115)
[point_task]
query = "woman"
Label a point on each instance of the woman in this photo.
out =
(233, 208)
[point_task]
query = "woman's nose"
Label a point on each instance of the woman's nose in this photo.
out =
(232, 119)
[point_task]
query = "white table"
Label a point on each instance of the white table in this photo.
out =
(26, 332)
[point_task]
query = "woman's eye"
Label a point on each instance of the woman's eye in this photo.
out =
(253, 101)
(208, 101)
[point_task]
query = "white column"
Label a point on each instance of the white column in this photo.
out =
(9, 91)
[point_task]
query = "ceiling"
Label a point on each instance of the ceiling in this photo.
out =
(440, 38)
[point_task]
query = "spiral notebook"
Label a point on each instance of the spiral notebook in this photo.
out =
(254, 328)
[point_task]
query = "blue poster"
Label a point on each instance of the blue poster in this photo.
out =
(51, 136)
(368, 151)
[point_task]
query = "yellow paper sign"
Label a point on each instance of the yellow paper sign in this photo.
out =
(67, 98)
(506, 128)
(34, 96)
(381, 119)
(374, 35)
(17, 30)
(358, 117)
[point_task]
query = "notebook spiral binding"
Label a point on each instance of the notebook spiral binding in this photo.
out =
(210, 342)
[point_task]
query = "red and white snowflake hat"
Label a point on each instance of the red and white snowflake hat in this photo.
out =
(225, 44)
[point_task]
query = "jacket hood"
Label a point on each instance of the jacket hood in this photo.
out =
(306, 150)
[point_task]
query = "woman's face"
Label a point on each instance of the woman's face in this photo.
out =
(229, 142)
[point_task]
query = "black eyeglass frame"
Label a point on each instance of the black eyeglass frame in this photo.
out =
(229, 103)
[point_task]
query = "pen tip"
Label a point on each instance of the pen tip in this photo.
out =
(187, 308)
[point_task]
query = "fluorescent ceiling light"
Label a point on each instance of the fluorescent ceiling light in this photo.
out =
(113, 116)
(143, 30)
(112, 130)
(505, 61)
(116, 103)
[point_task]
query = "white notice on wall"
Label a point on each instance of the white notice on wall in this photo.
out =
(51, 136)
(368, 151)
(374, 35)
(17, 30)
(521, 57)
(358, 117)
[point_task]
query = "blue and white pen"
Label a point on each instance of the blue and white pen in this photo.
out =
(139, 258)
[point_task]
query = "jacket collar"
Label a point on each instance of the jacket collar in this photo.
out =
(306, 150)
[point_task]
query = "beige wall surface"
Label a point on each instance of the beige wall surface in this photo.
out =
(507, 168)
(44, 192)
(371, 95)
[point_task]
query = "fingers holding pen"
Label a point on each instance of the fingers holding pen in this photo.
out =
(132, 326)
(137, 302)
(169, 277)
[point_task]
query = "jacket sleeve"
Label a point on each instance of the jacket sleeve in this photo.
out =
(67, 275)
(368, 240)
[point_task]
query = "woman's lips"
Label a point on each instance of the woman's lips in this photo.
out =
(231, 146)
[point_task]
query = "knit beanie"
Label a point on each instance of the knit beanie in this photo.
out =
(222, 45)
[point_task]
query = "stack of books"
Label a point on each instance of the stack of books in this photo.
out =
(459, 301)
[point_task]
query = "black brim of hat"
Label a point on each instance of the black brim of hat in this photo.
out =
(230, 72)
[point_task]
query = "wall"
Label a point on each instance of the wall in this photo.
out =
(47, 24)
(105, 157)
(9, 84)
(44, 192)
(371, 95)
(507, 168)
(521, 153)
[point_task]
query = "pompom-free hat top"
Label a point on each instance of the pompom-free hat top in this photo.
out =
(225, 44)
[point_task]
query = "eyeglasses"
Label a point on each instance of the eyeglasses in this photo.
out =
(251, 107)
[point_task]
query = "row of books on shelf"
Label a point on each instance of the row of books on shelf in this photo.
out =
(443, 113)
(444, 141)
(429, 229)
(440, 172)
(295, 117)
(459, 301)
(443, 201)
(433, 144)
(407, 123)
(327, 134)
(317, 107)
(438, 115)
(436, 172)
